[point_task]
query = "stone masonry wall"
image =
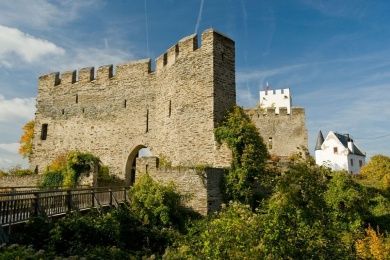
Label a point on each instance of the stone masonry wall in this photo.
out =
(172, 110)
(18, 181)
(200, 186)
(283, 133)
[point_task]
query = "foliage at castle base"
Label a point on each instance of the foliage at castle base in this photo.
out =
(26, 139)
(249, 155)
(312, 213)
(122, 233)
(66, 169)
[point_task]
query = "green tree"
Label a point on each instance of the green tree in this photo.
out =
(233, 233)
(295, 221)
(376, 173)
(249, 154)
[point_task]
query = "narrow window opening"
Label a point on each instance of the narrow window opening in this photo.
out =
(360, 163)
(125, 103)
(223, 56)
(170, 108)
(270, 143)
(36, 169)
(63, 111)
(77, 98)
(146, 168)
(44, 132)
(147, 120)
(176, 50)
(334, 149)
(351, 162)
(83, 110)
(165, 59)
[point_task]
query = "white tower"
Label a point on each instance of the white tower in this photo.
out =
(276, 98)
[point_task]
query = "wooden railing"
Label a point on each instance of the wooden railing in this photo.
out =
(17, 207)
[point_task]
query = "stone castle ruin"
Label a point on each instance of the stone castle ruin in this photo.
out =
(172, 110)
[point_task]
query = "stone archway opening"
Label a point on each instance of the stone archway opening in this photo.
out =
(131, 164)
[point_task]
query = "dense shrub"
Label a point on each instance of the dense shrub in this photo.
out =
(76, 234)
(65, 170)
(155, 204)
(18, 171)
(105, 179)
(231, 234)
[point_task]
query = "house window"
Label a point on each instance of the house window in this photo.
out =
(335, 150)
(44, 132)
(360, 163)
(351, 162)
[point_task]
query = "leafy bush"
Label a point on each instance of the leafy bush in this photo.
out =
(77, 234)
(104, 178)
(233, 233)
(34, 233)
(22, 252)
(52, 179)
(376, 173)
(155, 204)
(65, 170)
(18, 171)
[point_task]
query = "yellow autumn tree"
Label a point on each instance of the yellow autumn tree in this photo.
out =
(372, 246)
(26, 139)
(376, 173)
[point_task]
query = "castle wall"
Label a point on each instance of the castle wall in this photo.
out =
(200, 187)
(172, 110)
(283, 133)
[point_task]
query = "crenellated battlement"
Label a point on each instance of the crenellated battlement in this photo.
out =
(271, 112)
(185, 47)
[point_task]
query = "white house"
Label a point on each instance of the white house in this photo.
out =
(339, 152)
(276, 98)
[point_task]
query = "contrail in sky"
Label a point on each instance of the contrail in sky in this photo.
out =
(199, 16)
(147, 30)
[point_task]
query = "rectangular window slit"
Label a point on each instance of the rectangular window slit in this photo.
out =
(170, 109)
(125, 103)
(147, 120)
(44, 132)
(77, 98)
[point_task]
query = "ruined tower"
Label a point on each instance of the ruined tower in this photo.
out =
(113, 113)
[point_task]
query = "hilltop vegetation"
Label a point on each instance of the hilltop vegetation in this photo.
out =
(305, 212)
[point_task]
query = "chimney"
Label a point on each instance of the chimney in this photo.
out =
(350, 144)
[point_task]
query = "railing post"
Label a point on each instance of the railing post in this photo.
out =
(69, 200)
(110, 191)
(125, 191)
(93, 197)
(36, 204)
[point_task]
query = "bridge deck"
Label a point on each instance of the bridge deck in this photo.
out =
(18, 207)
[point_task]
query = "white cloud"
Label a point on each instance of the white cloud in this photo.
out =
(27, 47)
(42, 14)
(11, 148)
(16, 108)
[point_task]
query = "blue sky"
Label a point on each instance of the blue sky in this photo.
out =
(334, 55)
